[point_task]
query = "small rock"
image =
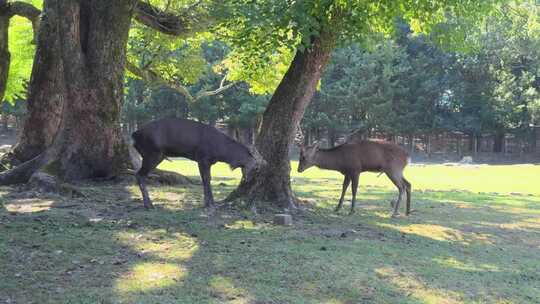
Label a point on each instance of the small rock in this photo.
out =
(283, 219)
(466, 160)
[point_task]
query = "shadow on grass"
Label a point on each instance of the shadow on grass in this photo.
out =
(105, 248)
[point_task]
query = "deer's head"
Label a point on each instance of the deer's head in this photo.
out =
(253, 162)
(307, 156)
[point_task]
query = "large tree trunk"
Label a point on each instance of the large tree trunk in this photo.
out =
(80, 63)
(46, 91)
(271, 183)
(92, 37)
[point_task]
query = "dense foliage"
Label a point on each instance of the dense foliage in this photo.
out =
(400, 83)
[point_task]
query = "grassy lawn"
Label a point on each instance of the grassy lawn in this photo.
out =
(474, 239)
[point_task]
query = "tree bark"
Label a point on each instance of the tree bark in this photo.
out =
(80, 65)
(271, 183)
(46, 91)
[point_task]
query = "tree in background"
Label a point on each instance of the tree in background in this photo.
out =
(310, 30)
(411, 86)
(395, 87)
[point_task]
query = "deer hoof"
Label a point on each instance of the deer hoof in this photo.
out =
(395, 214)
(148, 206)
(352, 212)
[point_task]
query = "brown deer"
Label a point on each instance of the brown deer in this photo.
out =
(353, 158)
(202, 143)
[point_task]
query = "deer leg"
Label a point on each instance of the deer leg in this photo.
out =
(354, 187)
(204, 170)
(397, 179)
(346, 183)
(149, 162)
(408, 191)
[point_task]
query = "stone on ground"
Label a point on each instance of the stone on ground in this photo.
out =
(283, 219)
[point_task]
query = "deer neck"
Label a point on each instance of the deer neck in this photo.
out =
(326, 160)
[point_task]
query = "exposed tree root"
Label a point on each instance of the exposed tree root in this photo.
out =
(159, 177)
(171, 178)
(22, 173)
(30, 172)
(8, 161)
(40, 172)
(44, 182)
(258, 189)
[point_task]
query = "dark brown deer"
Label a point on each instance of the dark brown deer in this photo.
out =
(202, 143)
(353, 158)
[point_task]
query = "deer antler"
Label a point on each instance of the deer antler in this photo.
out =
(299, 137)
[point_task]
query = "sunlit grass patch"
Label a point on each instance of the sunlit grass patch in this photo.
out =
(28, 205)
(243, 224)
(175, 246)
(466, 266)
(223, 289)
(415, 288)
(435, 232)
(150, 276)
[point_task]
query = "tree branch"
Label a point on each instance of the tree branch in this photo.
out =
(27, 11)
(221, 88)
(153, 78)
(162, 21)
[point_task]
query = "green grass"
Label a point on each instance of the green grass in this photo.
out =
(474, 239)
